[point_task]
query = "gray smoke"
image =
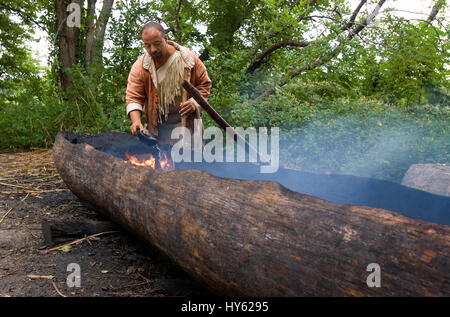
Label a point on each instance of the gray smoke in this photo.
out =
(368, 148)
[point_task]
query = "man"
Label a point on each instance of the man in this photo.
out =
(154, 85)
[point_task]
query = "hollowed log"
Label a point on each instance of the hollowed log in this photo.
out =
(257, 238)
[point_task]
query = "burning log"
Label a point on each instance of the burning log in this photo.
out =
(257, 238)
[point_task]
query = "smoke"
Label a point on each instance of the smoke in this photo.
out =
(335, 188)
(377, 147)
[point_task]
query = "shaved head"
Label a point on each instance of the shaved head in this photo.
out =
(153, 25)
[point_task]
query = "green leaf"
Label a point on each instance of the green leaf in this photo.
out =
(65, 248)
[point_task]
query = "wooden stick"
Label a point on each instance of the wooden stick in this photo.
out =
(34, 191)
(185, 95)
(78, 241)
(37, 277)
(144, 277)
(218, 118)
(18, 186)
(4, 216)
(57, 290)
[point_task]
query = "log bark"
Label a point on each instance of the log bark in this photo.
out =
(57, 231)
(257, 238)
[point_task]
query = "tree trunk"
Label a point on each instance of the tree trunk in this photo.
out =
(90, 34)
(257, 238)
(67, 38)
(95, 34)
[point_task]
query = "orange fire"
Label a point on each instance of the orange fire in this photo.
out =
(165, 163)
(150, 161)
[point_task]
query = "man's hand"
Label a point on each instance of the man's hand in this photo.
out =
(135, 117)
(186, 108)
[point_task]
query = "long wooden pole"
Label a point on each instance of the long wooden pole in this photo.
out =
(218, 118)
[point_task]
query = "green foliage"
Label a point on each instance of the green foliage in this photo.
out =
(414, 58)
(362, 136)
(123, 37)
(35, 113)
(228, 16)
(31, 116)
(378, 106)
(17, 22)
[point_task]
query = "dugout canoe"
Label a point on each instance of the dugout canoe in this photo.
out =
(256, 237)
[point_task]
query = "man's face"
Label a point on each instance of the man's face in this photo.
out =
(155, 44)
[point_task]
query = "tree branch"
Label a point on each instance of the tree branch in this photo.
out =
(354, 14)
(23, 15)
(177, 20)
(104, 17)
(320, 61)
(435, 10)
(367, 20)
(269, 35)
(100, 27)
(284, 43)
(259, 59)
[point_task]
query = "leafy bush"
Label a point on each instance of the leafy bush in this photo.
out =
(34, 113)
(363, 136)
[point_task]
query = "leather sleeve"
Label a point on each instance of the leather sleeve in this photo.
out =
(135, 93)
(201, 79)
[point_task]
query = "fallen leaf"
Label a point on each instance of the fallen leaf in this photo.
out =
(65, 248)
(131, 270)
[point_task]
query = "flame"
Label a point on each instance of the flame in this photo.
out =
(150, 162)
(165, 162)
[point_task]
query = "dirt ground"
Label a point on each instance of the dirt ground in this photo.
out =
(114, 264)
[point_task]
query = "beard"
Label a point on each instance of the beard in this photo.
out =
(156, 56)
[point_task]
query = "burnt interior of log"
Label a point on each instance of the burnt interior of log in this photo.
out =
(343, 189)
